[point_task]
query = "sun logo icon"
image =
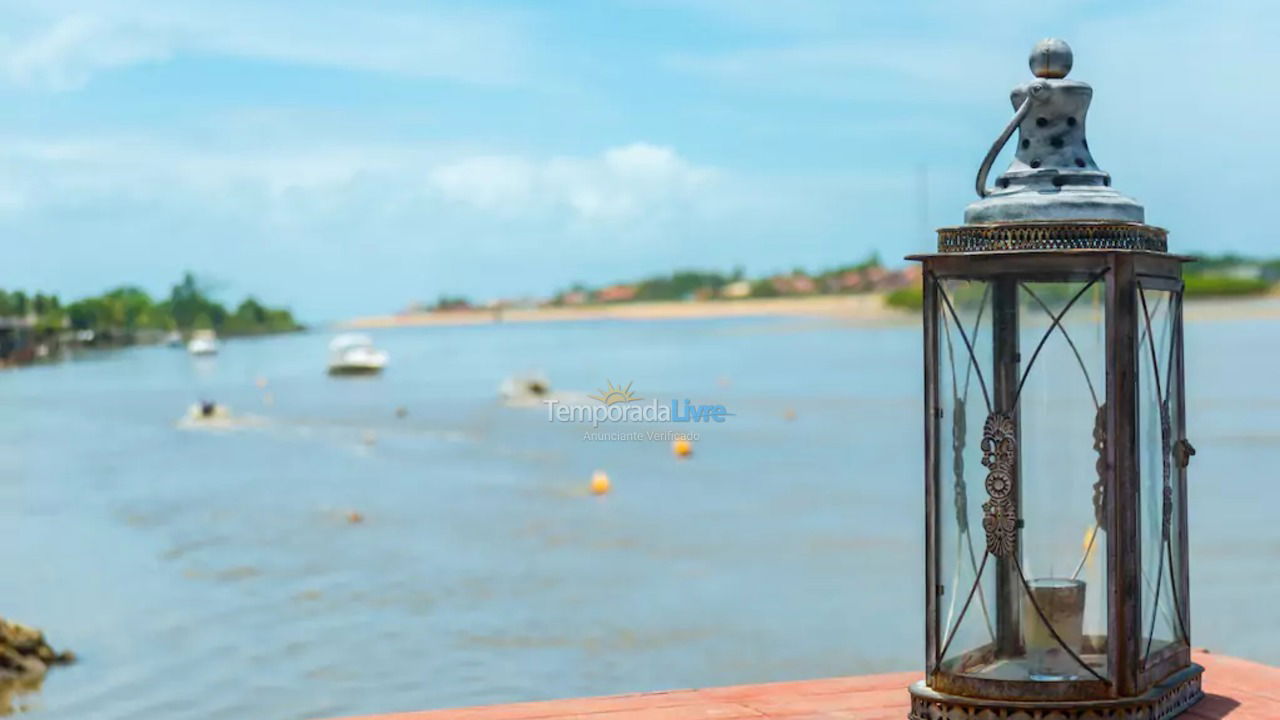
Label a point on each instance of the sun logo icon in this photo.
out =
(613, 394)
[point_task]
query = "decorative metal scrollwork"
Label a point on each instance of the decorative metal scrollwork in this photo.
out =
(1100, 446)
(1000, 457)
(1051, 235)
(958, 430)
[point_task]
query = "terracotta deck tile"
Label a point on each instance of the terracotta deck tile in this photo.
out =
(1235, 689)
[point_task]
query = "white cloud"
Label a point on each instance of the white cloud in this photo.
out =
(62, 44)
(66, 53)
(622, 183)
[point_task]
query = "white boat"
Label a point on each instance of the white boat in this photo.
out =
(203, 342)
(354, 354)
(525, 390)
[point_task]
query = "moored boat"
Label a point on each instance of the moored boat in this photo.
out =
(354, 354)
(203, 342)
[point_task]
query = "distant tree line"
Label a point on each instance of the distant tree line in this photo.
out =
(130, 309)
(1208, 276)
(684, 284)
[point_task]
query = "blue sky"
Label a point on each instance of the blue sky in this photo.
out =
(347, 158)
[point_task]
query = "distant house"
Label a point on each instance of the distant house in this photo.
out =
(794, 284)
(896, 279)
(576, 297)
(875, 277)
(849, 281)
(616, 293)
(738, 289)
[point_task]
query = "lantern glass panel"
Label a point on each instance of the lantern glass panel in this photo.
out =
(1159, 406)
(1061, 407)
(1056, 380)
(965, 611)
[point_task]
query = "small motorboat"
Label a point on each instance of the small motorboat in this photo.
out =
(525, 390)
(210, 415)
(203, 342)
(354, 354)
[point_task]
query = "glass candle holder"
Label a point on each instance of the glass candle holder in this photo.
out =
(1061, 602)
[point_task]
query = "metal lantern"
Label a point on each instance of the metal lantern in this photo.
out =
(1055, 449)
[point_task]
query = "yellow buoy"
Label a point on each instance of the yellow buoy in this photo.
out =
(599, 482)
(682, 447)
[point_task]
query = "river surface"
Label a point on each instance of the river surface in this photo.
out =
(217, 573)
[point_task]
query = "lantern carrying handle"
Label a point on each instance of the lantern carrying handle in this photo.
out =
(980, 183)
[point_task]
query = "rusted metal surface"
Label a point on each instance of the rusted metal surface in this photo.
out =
(1052, 217)
(1052, 235)
(932, 411)
(1000, 455)
(1167, 699)
(1115, 438)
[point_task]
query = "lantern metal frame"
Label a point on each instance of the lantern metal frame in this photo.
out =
(1126, 259)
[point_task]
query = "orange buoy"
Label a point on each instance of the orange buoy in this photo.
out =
(599, 482)
(682, 447)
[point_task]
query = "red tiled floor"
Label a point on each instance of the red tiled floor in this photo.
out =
(1235, 689)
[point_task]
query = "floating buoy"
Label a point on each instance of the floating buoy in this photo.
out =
(402, 412)
(355, 517)
(790, 414)
(370, 437)
(682, 447)
(260, 381)
(599, 482)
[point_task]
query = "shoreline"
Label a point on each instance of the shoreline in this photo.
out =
(862, 309)
(869, 308)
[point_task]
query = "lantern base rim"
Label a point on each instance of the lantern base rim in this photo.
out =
(1166, 699)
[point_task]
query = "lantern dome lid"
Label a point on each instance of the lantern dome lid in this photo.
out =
(1053, 176)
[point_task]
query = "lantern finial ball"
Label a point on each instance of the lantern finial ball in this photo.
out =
(1050, 58)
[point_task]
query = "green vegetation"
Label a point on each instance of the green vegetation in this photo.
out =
(127, 310)
(451, 302)
(680, 285)
(908, 298)
(764, 288)
(691, 284)
(1211, 285)
(1232, 264)
(1230, 275)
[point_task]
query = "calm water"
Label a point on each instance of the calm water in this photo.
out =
(205, 574)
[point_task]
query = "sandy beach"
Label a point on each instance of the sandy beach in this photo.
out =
(863, 309)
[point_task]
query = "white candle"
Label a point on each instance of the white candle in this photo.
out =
(1061, 602)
